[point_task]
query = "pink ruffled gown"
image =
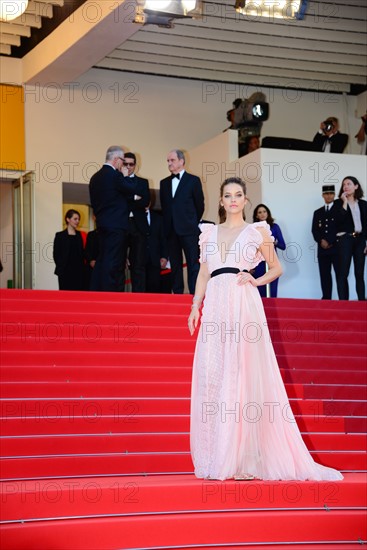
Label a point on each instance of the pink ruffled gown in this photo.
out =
(241, 420)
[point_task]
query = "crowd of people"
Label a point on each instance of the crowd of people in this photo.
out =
(130, 235)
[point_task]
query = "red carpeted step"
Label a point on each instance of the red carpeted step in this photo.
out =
(223, 528)
(140, 463)
(299, 376)
(133, 343)
(144, 358)
(101, 464)
(50, 327)
(91, 422)
(89, 389)
(154, 442)
(112, 495)
(91, 407)
(81, 373)
(285, 332)
(131, 421)
(77, 372)
(335, 391)
(109, 389)
(314, 362)
(93, 326)
(278, 304)
(321, 349)
(110, 358)
(45, 297)
(356, 425)
(346, 408)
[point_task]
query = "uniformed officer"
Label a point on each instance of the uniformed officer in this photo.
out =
(324, 233)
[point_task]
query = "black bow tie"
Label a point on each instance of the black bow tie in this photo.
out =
(176, 176)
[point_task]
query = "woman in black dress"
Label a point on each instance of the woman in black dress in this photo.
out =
(68, 254)
(351, 227)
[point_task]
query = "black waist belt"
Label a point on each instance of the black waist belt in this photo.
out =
(234, 270)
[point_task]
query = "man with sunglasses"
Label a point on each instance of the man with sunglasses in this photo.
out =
(136, 242)
(109, 190)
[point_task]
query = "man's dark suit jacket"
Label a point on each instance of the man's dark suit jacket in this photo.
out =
(61, 251)
(92, 246)
(338, 142)
(182, 212)
(138, 207)
(324, 227)
(344, 218)
(156, 243)
(109, 191)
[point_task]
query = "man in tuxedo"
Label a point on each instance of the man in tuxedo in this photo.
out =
(324, 233)
(328, 139)
(182, 202)
(136, 241)
(109, 190)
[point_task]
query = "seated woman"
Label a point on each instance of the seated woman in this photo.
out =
(263, 214)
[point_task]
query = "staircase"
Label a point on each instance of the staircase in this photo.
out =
(95, 400)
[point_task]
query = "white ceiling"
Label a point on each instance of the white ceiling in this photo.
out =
(326, 51)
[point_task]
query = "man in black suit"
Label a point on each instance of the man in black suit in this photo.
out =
(138, 228)
(109, 190)
(182, 202)
(328, 139)
(324, 233)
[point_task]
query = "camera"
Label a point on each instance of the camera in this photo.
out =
(328, 125)
(251, 111)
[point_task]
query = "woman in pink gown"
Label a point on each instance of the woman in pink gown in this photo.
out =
(242, 425)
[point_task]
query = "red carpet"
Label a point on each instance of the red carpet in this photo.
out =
(95, 421)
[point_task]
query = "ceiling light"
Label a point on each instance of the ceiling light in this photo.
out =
(157, 4)
(11, 9)
(162, 12)
(279, 9)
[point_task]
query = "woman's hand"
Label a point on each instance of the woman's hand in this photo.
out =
(344, 198)
(193, 319)
(243, 278)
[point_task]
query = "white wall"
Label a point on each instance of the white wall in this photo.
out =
(68, 130)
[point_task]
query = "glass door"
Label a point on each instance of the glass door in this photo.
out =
(24, 251)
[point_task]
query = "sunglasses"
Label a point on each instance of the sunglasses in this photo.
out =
(129, 163)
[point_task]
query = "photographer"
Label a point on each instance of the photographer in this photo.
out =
(328, 139)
